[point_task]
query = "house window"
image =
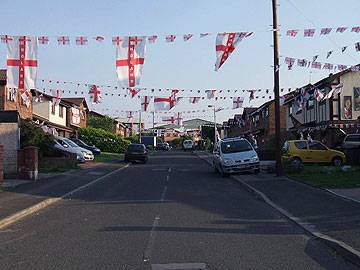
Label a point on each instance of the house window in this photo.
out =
(53, 108)
(290, 109)
(61, 111)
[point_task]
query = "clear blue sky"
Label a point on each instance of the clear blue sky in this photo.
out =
(188, 65)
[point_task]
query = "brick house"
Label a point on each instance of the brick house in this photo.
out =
(76, 113)
(10, 101)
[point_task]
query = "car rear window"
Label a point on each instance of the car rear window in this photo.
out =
(136, 147)
(353, 138)
(235, 146)
(300, 145)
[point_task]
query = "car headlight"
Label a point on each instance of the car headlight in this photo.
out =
(254, 159)
(228, 161)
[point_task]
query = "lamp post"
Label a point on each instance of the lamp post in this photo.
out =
(215, 137)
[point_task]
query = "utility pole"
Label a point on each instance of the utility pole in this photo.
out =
(140, 126)
(279, 167)
(215, 138)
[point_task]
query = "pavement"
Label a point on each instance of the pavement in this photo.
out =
(171, 213)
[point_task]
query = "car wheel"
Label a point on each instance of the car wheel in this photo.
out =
(337, 161)
(296, 162)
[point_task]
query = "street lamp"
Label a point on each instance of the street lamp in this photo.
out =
(215, 137)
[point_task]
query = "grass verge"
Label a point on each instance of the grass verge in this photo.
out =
(328, 176)
(109, 157)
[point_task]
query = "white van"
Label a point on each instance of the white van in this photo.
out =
(234, 155)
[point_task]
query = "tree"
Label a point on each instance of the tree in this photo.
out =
(106, 123)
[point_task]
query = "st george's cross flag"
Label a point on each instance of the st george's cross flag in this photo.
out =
(318, 95)
(164, 103)
(238, 102)
(178, 119)
(130, 53)
(95, 94)
(225, 45)
(22, 62)
(26, 97)
(145, 101)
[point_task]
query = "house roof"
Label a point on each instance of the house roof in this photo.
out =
(77, 101)
(96, 114)
(48, 97)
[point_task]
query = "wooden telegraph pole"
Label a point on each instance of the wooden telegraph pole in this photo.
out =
(279, 167)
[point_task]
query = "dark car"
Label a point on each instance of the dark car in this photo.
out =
(93, 149)
(136, 152)
(162, 146)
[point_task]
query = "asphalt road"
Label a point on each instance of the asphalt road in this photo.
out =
(173, 210)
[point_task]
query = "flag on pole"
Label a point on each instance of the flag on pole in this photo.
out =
(225, 45)
(130, 53)
(22, 62)
(145, 101)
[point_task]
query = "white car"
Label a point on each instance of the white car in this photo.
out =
(188, 145)
(67, 145)
(234, 155)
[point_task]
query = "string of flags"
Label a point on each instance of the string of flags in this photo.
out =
(311, 32)
(290, 62)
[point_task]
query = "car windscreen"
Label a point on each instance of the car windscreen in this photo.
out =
(71, 143)
(235, 146)
(135, 147)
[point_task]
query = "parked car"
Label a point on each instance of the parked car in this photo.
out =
(351, 141)
(234, 155)
(188, 145)
(93, 149)
(67, 145)
(302, 151)
(136, 152)
(162, 146)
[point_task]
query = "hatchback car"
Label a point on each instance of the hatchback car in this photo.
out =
(351, 141)
(162, 146)
(302, 151)
(235, 155)
(93, 149)
(188, 145)
(136, 152)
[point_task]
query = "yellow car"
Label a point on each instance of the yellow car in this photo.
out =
(311, 152)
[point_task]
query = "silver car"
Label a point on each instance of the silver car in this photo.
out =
(234, 155)
(67, 145)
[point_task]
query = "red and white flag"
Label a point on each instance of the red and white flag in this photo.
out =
(342, 67)
(170, 38)
(316, 65)
(39, 98)
(81, 40)
(309, 32)
(43, 40)
(178, 118)
(337, 89)
(117, 40)
(225, 45)
(130, 56)
(95, 94)
(26, 97)
(63, 40)
(6, 38)
(152, 39)
(325, 31)
(292, 33)
(145, 101)
(318, 95)
(355, 29)
(238, 102)
(187, 37)
(99, 38)
(210, 94)
(194, 100)
(56, 97)
(290, 62)
(328, 66)
(22, 62)
(133, 92)
(329, 95)
(302, 62)
(341, 29)
(170, 120)
(163, 103)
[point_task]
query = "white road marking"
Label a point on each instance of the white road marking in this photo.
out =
(179, 266)
(151, 241)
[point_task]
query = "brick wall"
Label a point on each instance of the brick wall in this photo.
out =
(8, 105)
(28, 163)
(9, 139)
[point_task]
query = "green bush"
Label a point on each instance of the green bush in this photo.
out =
(106, 141)
(32, 135)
